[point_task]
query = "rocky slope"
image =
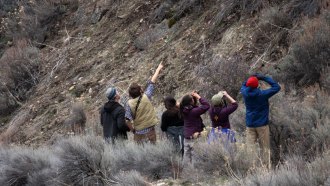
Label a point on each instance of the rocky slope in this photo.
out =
(205, 46)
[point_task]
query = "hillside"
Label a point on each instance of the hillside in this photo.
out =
(59, 57)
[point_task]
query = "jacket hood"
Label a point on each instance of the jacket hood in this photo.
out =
(111, 106)
(250, 92)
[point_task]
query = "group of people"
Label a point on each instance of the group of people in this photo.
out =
(182, 121)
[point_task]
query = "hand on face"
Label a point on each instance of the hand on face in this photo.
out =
(195, 95)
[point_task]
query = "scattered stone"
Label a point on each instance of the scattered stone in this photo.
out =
(71, 88)
(101, 81)
(122, 16)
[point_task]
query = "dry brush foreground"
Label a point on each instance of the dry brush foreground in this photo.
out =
(88, 160)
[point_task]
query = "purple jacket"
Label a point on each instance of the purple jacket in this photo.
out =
(192, 118)
(220, 115)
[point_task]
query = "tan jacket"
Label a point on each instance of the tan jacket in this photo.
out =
(145, 116)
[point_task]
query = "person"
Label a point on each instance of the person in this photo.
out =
(193, 123)
(257, 111)
(112, 116)
(220, 111)
(140, 112)
(172, 123)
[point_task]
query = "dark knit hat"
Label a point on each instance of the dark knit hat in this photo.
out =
(110, 93)
(252, 82)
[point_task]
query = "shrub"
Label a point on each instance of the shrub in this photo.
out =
(308, 60)
(162, 12)
(20, 69)
(237, 119)
(87, 160)
(35, 19)
(76, 122)
(185, 7)
(153, 161)
(297, 8)
(221, 74)
(8, 102)
(272, 36)
(221, 159)
(82, 162)
(131, 178)
(22, 166)
(295, 171)
(251, 6)
(299, 127)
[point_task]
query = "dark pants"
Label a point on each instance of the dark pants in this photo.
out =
(175, 134)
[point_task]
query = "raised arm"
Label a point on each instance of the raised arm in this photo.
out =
(230, 99)
(155, 76)
(233, 104)
(275, 87)
(204, 107)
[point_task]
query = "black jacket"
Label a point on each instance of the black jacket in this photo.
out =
(113, 121)
(170, 118)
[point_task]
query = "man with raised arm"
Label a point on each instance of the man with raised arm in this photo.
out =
(257, 111)
(140, 112)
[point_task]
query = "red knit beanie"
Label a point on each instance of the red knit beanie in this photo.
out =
(252, 82)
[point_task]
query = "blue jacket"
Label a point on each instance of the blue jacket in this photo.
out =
(256, 102)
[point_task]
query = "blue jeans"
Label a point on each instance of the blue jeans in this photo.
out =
(175, 134)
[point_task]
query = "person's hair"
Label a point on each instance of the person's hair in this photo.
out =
(134, 90)
(186, 100)
(170, 103)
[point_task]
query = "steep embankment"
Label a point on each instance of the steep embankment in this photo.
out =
(205, 45)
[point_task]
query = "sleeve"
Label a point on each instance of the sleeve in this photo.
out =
(128, 113)
(163, 125)
(243, 87)
(150, 89)
(230, 108)
(121, 123)
(275, 87)
(204, 107)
